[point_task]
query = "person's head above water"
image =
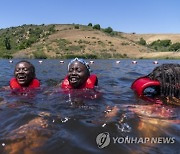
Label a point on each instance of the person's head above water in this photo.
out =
(169, 77)
(24, 73)
(78, 72)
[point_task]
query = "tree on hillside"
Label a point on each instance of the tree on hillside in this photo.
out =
(90, 24)
(142, 41)
(108, 30)
(175, 47)
(97, 26)
(161, 43)
(165, 43)
(52, 28)
(76, 26)
(7, 43)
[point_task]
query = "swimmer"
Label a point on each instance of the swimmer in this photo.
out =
(79, 76)
(164, 80)
(169, 77)
(24, 76)
(29, 137)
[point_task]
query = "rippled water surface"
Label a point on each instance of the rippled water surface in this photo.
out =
(50, 120)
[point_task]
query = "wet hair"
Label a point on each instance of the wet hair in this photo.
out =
(31, 66)
(82, 61)
(169, 77)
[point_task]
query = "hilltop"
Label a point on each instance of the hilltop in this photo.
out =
(68, 41)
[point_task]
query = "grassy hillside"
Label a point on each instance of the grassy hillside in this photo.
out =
(68, 41)
(15, 39)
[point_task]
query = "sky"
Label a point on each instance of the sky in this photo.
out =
(139, 16)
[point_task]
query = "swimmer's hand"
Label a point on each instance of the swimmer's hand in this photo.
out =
(111, 112)
(173, 100)
(5, 88)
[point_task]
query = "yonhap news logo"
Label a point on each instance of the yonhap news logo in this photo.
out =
(103, 140)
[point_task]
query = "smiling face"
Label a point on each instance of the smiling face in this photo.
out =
(24, 73)
(77, 74)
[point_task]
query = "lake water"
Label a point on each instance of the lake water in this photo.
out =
(50, 120)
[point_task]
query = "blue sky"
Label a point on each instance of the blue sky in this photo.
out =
(140, 16)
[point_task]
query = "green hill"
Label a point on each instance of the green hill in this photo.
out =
(68, 41)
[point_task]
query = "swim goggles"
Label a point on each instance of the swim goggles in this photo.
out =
(82, 61)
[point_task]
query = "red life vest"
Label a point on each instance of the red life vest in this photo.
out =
(90, 83)
(15, 85)
(140, 84)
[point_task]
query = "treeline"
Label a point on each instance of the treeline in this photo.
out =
(161, 45)
(107, 30)
(17, 38)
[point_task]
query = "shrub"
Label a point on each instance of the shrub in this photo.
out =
(7, 43)
(52, 28)
(175, 47)
(39, 55)
(80, 41)
(90, 24)
(162, 45)
(113, 33)
(21, 46)
(108, 30)
(7, 56)
(125, 55)
(26, 43)
(76, 26)
(97, 26)
(142, 41)
(165, 43)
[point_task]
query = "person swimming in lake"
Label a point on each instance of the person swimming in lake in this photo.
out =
(165, 81)
(79, 76)
(24, 76)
